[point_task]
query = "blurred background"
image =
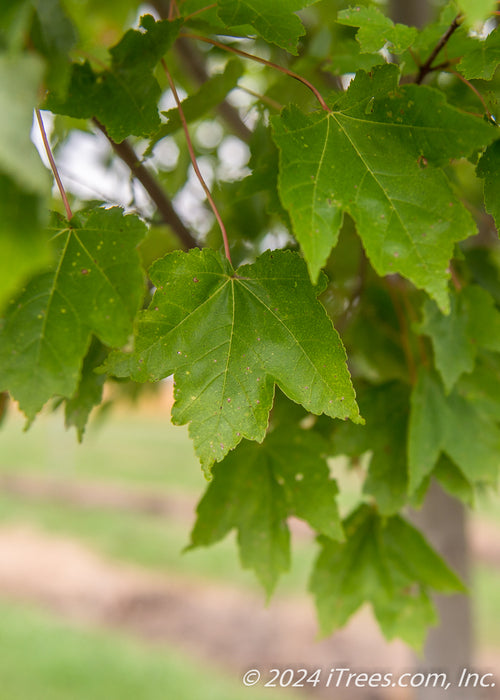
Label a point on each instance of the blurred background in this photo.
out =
(98, 600)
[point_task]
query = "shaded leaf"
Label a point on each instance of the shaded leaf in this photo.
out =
(377, 156)
(386, 562)
(385, 409)
(96, 287)
(54, 35)
(489, 169)
(449, 424)
(89, 391)
(257, 487)
(229, 337)
(473, 323)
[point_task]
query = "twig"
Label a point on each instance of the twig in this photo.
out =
(427, 66)
(125, 151)
(194, 162)
(264, 61)
(48, 151)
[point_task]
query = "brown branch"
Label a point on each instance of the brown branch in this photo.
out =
(427, 67)
(167, 212)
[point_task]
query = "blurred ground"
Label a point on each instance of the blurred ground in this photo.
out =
(96, 542)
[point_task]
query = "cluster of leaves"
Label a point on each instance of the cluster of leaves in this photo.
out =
(387, 184)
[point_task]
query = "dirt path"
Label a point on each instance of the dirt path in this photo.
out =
(225, 626)
(484, 535)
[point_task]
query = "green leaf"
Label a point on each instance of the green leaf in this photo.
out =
(20, 79)
(229, 337)
(54, 35)
(449, 424)
(477, 10)
(275, 22)
(24, 247)
(96, 287)
(385, 562)
(453, 481)
(385, 409)
(473, 323)
(376, 30)
(124, 97)
(483, 59)
(257, 487)
(489, 169)
(89, 391)
(209, 96)
(377, 156)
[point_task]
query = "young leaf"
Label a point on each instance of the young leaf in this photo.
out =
(257, 487)
(482, 60)
(473, 323)
(386, 562)
(97, 287)
(376, 30)
(489, 169)
(449, 424)
(125, 96)
(229, 337)
(274, 22)
(377, 155)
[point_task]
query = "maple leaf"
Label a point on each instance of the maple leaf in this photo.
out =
(450, 425)
(376, 30)
(96, 287)
(124, 97)
(377, 155)
(473, 323)
(257, 487)
(275, 22)
(386, 562)
(229, 337)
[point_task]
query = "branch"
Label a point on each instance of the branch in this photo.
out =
(427, 66)
(170, 217)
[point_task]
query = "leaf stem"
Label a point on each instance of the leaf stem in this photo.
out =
(427, 67)
(474, 90)
(48, 151)
(264, 61)
(194, 162)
